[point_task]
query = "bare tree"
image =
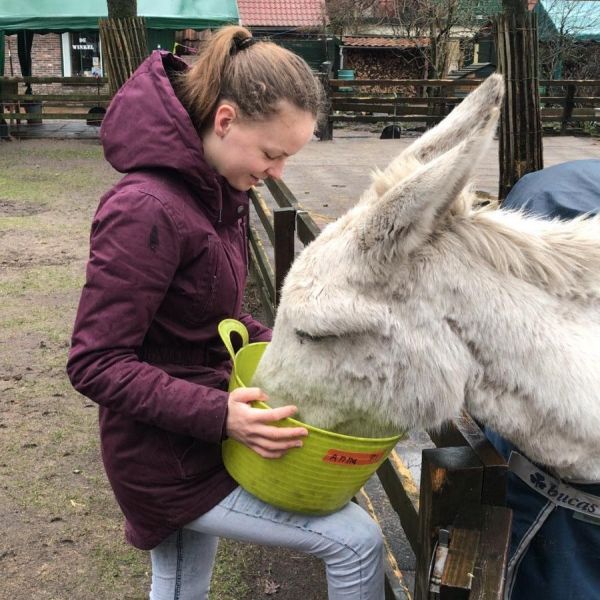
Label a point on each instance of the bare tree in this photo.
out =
(445, 23)
(562, 25)
(351, 17)
(122, 9)
(436, 26)
(588, 63)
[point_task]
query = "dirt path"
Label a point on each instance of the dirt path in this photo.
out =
(61, 528)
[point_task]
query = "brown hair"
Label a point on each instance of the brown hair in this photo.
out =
(255, 75)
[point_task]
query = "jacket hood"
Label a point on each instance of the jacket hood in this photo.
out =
(147, 127)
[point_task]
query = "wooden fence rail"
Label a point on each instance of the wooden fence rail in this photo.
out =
(17, 107)
(463, 480)
(387, 101)
(395, 101)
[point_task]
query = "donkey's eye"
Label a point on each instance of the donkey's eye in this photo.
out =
(302, 335)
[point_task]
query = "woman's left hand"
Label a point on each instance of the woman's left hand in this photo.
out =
(254, 427)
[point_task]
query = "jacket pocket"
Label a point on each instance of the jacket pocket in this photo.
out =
(192, 457)
(194, 290)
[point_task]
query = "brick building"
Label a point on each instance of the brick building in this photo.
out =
(52, 57)
(46, 50)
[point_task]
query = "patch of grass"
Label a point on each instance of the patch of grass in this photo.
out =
(31, 152)
(45, 279)
(115, 561)
(30, 185)
(49, 449)
(43, 228)
(30, 173)
(227, 581)
(58, 436)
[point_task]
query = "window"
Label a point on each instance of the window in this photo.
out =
(81, 54)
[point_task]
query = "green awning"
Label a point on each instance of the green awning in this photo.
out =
(77, 15)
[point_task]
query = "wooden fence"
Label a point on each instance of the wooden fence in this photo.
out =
(565, 102)
(17, 107)
(393, 101)
(459, 514)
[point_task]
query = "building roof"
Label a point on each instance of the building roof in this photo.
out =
(354, 41)
(282, 13)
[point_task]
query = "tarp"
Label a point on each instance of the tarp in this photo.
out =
(78, 15)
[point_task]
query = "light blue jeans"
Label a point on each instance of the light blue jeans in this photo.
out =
(348, 541)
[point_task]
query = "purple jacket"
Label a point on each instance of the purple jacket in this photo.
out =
(168, 261)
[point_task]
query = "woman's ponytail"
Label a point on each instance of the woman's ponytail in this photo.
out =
(201, 88)
(255, 75)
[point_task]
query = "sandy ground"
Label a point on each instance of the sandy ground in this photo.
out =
(61, 528)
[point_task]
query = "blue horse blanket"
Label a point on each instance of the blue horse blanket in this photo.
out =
(555, 551)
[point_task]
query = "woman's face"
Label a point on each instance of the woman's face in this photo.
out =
(245, 151)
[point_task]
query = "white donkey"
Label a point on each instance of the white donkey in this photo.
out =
(413, 306)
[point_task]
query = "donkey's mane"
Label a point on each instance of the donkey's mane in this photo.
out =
(562, 257)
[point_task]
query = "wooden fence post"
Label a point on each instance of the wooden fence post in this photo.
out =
(451, 478)
(124, 48)
(325, 125)
(453, 484)
(284, 225)
(568, 108)
(487, 570)
(464, 431)
(521, 149)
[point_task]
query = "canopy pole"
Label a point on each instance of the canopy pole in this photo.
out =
(2, 45)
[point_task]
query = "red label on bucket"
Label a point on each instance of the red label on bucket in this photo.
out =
(351, 459)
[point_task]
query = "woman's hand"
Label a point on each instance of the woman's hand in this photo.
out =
(253, 426)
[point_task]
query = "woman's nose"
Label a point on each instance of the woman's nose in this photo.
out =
(275, 171)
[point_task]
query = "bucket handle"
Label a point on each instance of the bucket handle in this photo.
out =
(226, 328)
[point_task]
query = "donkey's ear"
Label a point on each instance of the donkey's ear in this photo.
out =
(407, 214)
(459, 125)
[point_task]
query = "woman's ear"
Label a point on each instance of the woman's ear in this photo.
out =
(225, 115)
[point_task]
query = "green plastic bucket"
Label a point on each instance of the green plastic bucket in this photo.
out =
(346, 74)
(319, 478)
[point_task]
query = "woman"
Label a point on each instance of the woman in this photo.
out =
(168, 261)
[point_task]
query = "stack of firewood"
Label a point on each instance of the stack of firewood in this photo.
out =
(385, 64)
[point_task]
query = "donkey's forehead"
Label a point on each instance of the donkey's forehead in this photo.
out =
(331, 250)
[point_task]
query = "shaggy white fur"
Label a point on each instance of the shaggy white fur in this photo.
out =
(413, 306)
